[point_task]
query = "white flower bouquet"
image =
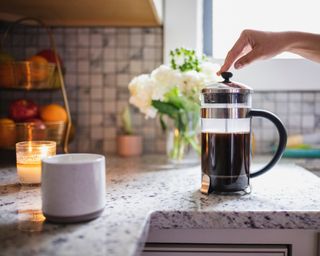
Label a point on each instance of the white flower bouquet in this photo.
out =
(174, 91)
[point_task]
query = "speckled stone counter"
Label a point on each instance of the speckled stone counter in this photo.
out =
(148, 193)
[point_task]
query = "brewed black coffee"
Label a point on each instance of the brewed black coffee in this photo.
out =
(226, 159)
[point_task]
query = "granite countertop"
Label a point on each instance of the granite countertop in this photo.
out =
(147, 193)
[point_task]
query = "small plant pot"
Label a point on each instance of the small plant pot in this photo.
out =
(129, 145)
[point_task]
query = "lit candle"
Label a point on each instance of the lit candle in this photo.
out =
(29, 155)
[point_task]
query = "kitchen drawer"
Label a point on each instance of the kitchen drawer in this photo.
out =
(232, 242)
(158, 249)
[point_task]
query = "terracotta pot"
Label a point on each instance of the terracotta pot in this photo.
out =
(129, 145)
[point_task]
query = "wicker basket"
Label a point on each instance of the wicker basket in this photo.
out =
(10, 134)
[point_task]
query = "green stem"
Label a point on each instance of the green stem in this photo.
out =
(194, 143)
(183, 136)
(177, 152)
(181, 147)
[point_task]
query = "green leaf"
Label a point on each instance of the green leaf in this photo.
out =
(190, 60)
(163, 124)
(183, 121)
(179, 100)
(165, 108)
(174, 98)
(126, 121)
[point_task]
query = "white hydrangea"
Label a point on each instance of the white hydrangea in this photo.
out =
(191, 81)
(165, 78)
(141, 90)
(209, 70)
(145, 88)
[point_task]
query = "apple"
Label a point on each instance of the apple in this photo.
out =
(37, 123)
(37, 129)
(22, 109)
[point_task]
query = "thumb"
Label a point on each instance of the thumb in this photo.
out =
(246, 59)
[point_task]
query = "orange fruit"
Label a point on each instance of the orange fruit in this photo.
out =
(7, 78)
(7, 133)
(39, 69)
(53, 112)
(39, 60)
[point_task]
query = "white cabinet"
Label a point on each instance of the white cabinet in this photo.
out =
(232, 242)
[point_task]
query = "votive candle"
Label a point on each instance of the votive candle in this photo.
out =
(29, 155)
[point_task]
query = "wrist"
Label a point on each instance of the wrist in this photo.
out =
(288, 40)
(301, 41)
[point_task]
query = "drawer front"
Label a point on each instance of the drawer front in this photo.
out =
(161, 249)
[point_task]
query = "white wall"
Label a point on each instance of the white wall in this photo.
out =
(279, 74)
(158, 5)
(182, 25)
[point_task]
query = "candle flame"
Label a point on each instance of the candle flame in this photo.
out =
(29, 147)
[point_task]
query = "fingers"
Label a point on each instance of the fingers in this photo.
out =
(246, 59)
(234, 53)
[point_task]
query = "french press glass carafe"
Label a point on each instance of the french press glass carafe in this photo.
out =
(226, 137)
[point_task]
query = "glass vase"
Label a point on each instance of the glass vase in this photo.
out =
(183, 142)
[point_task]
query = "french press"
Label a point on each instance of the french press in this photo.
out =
(226, 137)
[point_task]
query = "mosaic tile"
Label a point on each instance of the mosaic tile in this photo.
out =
(101, 61)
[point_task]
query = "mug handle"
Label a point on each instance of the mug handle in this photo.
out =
(282, 138)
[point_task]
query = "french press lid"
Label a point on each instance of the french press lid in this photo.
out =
(226, 91)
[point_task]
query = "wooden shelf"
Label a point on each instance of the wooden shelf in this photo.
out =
(124, 13)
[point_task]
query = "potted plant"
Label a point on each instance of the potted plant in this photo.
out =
(128, 143)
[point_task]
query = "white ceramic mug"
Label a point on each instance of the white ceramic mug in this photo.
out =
(73, 187)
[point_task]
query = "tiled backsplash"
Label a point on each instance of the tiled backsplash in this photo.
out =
(299, 111)
(99, 64)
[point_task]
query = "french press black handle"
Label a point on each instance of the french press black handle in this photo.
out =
(282, 138)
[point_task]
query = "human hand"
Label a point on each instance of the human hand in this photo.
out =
(253, 45)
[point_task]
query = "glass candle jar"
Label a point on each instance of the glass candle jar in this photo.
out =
(29, 155)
